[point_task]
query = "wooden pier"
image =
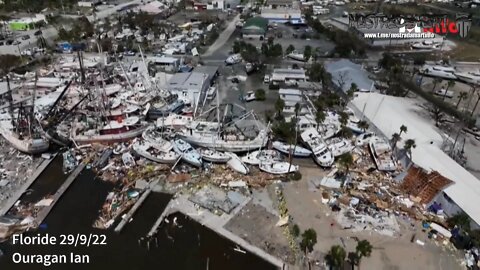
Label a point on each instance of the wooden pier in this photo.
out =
(12, 200)
(135, 207)
(42, 214)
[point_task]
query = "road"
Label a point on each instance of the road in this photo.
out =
(223, 37)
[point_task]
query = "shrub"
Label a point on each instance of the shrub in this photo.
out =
(296, 176)
(260, 94)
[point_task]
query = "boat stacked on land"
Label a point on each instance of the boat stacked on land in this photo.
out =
(149, 151)
(321, 153)
(382, 154)
(296, 151)
(155, 138)
(262, 156)
(339, 146)
(278, 167)
(187, 152)
(214, 156)
(236, 164)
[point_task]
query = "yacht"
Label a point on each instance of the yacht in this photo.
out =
(321, 153)
(382, 154)
(439, 71)
(469, 77)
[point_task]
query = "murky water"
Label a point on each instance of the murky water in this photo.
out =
(188, 246)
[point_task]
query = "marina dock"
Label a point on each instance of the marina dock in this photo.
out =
(42, 214)
(12, 200)
(137, 205)
(215, 223)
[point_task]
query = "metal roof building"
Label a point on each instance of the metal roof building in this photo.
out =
(284, 74)
(188, 86)
(345, 72)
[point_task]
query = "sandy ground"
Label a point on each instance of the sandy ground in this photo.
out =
(307, 211)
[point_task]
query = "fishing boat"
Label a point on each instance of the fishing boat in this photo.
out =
(382, 154)
(339, 146)
(261, 156)
(296, 151)
(278, 167)
(321, 153)
(236, 164)
(233, 59)
(156, 140)
(214, 156)
(113, 131)
(149, 151)
(186, 151)
(128, 160)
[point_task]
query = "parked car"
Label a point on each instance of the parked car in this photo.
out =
(266, 79)
(250, 96)
(25, 37)
(129, 53)
(16, 42)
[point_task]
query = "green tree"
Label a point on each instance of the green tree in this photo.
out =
(462, 96)
(450, 84)
(419, 60)
(343, 118)
(388, 61)
(316, 72)
(409, 145)
(363, 125)
(346, 161)
(363, 249)
(319, 118)
(435, 82)
(336, 257)
(279, 105)
(309, 239)
(290, 49)
(9, 62)
(460, 220)
(295, 230)
(403, 129)
(307, 53)
(260, 94)
(395, 139)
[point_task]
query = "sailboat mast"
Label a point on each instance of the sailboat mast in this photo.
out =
(10, 99)
(32, 109)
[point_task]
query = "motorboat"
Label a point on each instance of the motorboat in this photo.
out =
(339, 146)
(233, 59)
(186, 151)
(296, 151)
(364, 138)
(354, 127)
(382, 154)
(297, 56)
(214, 156)
(439, 71)
(278, 167)
(128, 160)
(149, 151)
(425, 45)
(236, 164)
(321, 153)
(156, 140)
(329, 129)
(468, 77)
(261, 156)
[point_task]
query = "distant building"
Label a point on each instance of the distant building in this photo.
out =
(256, 27)
(189, 86)
(153, 8)
(292, 95)
(166, 63)
(273, 4)
(283, 15)
(209, 5)
(345, 72)
(288, 74)
(27, 23)
(89, 3)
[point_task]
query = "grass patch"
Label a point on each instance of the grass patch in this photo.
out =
(466, 51)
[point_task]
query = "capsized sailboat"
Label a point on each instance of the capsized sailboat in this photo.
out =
(186, 151)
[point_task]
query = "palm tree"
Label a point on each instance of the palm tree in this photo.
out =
(403, 129)
(450, 84)
(476, 104)
(363, 125)
(336, 257)
(346, 160)
(409, 144)
(343, 118)
(462, 96)
(395, 138)
(363, 249)
(319, 118)
(435, 82)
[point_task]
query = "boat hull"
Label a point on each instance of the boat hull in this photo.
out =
(287, 149)
(236, 164)
(110, 138)
(28, 146)
(225, 146)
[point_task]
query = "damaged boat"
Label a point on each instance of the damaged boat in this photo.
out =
(321, 153)
(186, 151)
(296, 151)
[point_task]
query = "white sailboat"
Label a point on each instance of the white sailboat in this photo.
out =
(186, 151)
(278, 167)
(236, 164)
(214, 156)
(297, 151)
(261, 156)
(321, 153)
(150, 152)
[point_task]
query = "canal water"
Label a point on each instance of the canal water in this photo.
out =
(186, 246)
